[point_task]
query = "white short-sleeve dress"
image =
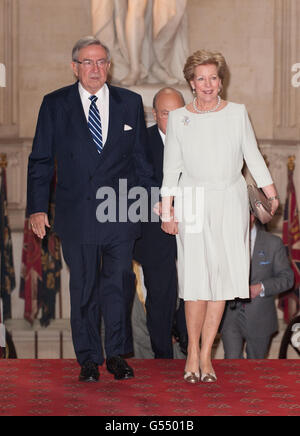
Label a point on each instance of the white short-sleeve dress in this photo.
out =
(203, 160)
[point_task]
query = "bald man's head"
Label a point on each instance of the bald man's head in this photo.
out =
(165, 101)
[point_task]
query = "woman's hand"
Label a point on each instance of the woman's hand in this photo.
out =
(270, 192)
(275, 205)
(169, 223)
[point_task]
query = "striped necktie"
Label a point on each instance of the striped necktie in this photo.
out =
(94, 123)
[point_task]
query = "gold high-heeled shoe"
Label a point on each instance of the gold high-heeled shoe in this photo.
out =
(209, 377)
(191, 377)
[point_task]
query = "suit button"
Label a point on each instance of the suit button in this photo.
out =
(88, 198)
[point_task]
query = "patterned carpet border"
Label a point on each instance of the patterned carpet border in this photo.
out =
(244, 388)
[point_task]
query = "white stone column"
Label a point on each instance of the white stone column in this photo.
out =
(17, 152)
(9, 58)
(287, 54)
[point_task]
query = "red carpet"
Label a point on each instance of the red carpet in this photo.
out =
(244, 388)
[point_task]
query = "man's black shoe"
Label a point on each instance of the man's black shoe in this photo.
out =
(182, 340)
(89, 372)
(119, 368)
(183, 344)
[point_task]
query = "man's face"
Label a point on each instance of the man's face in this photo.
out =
(92, 73)
(165, 103)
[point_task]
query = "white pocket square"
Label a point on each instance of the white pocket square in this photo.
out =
(126, 128)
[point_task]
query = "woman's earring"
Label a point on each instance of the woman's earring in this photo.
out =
(194, 91)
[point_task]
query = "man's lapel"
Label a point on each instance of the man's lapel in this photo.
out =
(76, 113)
(115, 126)
(160, 150)
(116, 118)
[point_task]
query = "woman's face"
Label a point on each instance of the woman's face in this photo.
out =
(206, 82)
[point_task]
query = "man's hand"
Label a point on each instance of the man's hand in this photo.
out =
(38, 223)
(170, 227)
(255, 290)
(157, 208)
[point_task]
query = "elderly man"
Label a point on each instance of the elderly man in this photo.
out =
(254, 321)
(156, 250)
(97, 135)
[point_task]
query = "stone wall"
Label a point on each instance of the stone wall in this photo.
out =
(47, 31)
(243, 31)
(260, 40)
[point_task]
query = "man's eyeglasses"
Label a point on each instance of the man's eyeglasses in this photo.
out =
(88, 63)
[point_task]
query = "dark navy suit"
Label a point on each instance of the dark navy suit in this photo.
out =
(99, 255)
(156, 252)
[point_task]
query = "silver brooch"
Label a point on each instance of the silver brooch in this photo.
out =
(186, 121)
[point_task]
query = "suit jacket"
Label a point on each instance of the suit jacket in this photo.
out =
(155, 246)
(63, 137)
(270, 265)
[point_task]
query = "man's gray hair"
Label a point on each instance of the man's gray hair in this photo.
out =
(86, 42)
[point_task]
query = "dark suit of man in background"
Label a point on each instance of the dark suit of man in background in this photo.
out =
(156, 250)
(255, 321)
(97, 135)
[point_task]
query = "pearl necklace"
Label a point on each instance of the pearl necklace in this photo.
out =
(208, 111)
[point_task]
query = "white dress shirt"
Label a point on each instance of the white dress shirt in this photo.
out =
(102, 104)
(163, 136)
(253, 239)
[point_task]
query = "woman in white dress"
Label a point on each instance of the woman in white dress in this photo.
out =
(206, 145)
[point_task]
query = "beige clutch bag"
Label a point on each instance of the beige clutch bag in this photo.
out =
(260, 206)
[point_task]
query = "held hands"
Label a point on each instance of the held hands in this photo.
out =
(170, 227)
(169, 222)
(38, 223)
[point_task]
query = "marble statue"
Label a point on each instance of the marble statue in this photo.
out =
(147, 38)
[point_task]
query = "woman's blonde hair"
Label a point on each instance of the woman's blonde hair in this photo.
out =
(204, 57)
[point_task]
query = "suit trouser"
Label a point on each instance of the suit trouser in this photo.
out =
(235, 336)
(161, 285)
(180, 321)
(101, 282)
